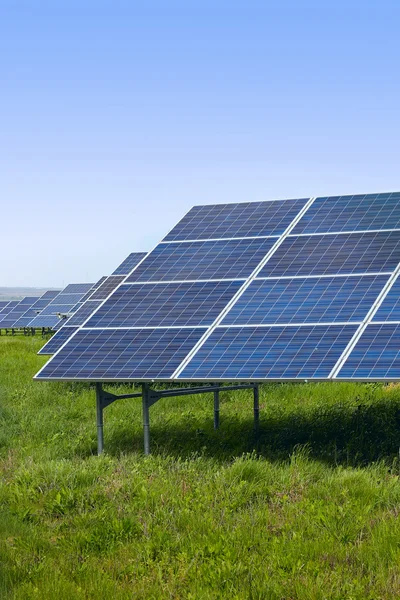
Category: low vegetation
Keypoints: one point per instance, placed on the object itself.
(309, 509)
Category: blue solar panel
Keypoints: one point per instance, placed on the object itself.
(351, 213)
(172, 304)
(376, 354)
(238, 353)
(122, 354)
(294, 325)
(237, 220)
(333, 254)
(129, 263)
(92, 289)
(107, 287)
(80, 316)
(32, 311)
(58, 339)
(77, 288)
(313, 300)
(55, 308)
(202, 260)
(17, 311)
(44, 321)
(390, 307)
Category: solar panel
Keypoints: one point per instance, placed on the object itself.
(7, 322)
(246, 219)
(31, 312)
(107, 287)
(9, 306)
(352, 213)
(96, 285)
(306, 300)
(390, 307)
(77, 288)
(64, 303)
(305, 352)
(145, 305)
(129, 263)
(274, 290)
(376, 354)
(89, 303)
(57, 340)
(225, 259)
(344, 253)
(123, 353)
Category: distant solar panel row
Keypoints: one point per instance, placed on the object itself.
(220, 300)
(89, 303)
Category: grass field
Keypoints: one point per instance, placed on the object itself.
(309, 510)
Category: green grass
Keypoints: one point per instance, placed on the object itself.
(309, 510)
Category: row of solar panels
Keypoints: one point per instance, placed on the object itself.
(73, 300)
(291, 289)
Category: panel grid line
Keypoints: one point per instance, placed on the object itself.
(96, 309)
(370, 315)
(257, 270)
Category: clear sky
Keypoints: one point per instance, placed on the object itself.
(117, 117)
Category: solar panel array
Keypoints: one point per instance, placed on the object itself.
(63, 302)
(283, 290)
(36, 307)
(8, 320)
(90, 302)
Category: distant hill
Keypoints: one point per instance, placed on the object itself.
(16, 293)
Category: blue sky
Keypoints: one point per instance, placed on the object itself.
(117, 117)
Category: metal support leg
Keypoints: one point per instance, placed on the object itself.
(99, 414)
(216, 409)
(256, 408)
(146, 417)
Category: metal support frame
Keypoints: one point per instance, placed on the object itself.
(150, 396)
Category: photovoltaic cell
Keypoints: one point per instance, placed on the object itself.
(77, 288)
(53, 308)
(253, 342)
(389, 310)
(17, 311)
(44, 321)
(122, 354)
(58, 339)
(32, 311)
(95, 287)
(335, 254)
(107, 287)
(80, 316)
(311, 300)
(351, 213)
(129, 263)
(202, 260)
(376, 354)
(61, 321)
(172, 304)
(240, 353)
(237, 220)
